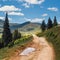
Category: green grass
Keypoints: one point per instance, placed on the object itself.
(23, 40)
(0, 35)
(18, 45)
(53, 36)
(30, 32)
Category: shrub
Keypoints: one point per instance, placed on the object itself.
(10, 44)
(23, 40)
(16, 35)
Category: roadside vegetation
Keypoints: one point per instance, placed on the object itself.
(52, 34)
(19, 45)
(53, 37)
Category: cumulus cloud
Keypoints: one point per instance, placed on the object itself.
(3, 18)
(26, 5)
(35, 19)
(9, 8)
(10, 18)
(59, 22)
(53, 9)
(33, 1)
(12, 10)
(45, 15)
(16, 13)
(28, 1)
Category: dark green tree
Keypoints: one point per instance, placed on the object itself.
(55, 22)
(43, 26)
(49, 24)
(7, 35)
(16, 35)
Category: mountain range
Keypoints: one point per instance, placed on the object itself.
(26, 26)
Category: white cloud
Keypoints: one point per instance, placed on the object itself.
(45, 15)
(10, 18)
(53, 9)
(26, 5)
(28, 1)
(16, 13)
(33, 1)
(59, 22)
(9, 8)
(3, 18)
(35, 19)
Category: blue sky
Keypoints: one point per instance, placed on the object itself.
(20, 11)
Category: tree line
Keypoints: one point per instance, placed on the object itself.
(49, 25)
(8, 38)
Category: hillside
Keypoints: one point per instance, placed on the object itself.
(24, 27)
(2, 22)
(53, 36)
(19, 45)
(28, 26)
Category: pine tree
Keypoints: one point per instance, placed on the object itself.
(7, 36)
(16, 35)
(55, 22)
(49, 24)
(43, 26)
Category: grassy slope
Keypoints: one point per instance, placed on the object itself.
(29, 28)
(19, 45)
(53, 36)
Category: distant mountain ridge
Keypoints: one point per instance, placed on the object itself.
(2, 22)
(24, 26)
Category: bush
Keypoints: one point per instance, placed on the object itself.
(10, 44)
(23, 40)
(1, 43)
(16, 35)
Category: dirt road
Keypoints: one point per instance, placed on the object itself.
(47, 52)
(43, 50)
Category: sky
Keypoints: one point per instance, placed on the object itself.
(20, 11)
